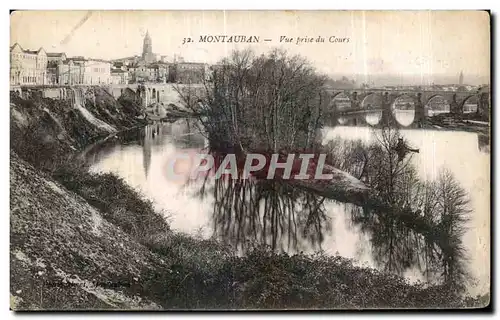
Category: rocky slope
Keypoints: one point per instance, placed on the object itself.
(65, 255)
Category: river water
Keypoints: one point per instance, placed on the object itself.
(142, 157)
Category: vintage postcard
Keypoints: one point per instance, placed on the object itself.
(249, 160)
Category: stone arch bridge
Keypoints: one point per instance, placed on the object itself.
(354, 105)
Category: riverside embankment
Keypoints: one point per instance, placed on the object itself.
(90, 241)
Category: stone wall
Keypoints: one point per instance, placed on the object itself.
(54, 93)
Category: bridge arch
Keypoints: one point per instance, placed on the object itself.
(403, 109)
(436, 104)
(340, 101)
(336, 96)
(372, 101)
(470, 104)
(432, 97)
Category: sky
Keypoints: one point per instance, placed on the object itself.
(420, 45)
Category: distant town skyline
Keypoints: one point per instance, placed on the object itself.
(421, 47)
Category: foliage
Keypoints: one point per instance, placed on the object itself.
(427, 222)
(263, 279)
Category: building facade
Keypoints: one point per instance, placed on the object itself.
(119, 76)
(97, 71)
(144, 73)
(79, 70)
(189, 72)
(56, 57)
(70, 72)
(27, 67)
(52, 77)
(161, 72)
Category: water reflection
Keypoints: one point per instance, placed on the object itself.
(404, 110)
(244, 212)
(406, 231)
(248, 212)
(373, 102)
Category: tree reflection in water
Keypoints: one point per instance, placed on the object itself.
(423, 232)
(425, 228)
(247, 212)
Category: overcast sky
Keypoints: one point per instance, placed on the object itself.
(411, 43)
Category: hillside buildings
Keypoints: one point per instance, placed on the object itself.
(154, 68)
(55, 68)
(29, 67)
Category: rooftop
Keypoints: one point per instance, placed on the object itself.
(26, 50)
(81, 58)
(198, 63)
(55, 54)
(126, 58)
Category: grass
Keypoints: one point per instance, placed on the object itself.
(263, 279)
(206, 274)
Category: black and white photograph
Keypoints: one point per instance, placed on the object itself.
(249, 160)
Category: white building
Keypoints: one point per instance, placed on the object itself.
(27, 67)
(97, 71)
(119, 76)
(79, 70)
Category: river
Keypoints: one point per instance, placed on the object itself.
(142, 157)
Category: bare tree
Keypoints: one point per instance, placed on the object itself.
(273, 101)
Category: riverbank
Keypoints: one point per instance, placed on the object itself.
(466, 122)
(89, 241)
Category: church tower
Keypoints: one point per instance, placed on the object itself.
(461, 78)
(147, 49)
